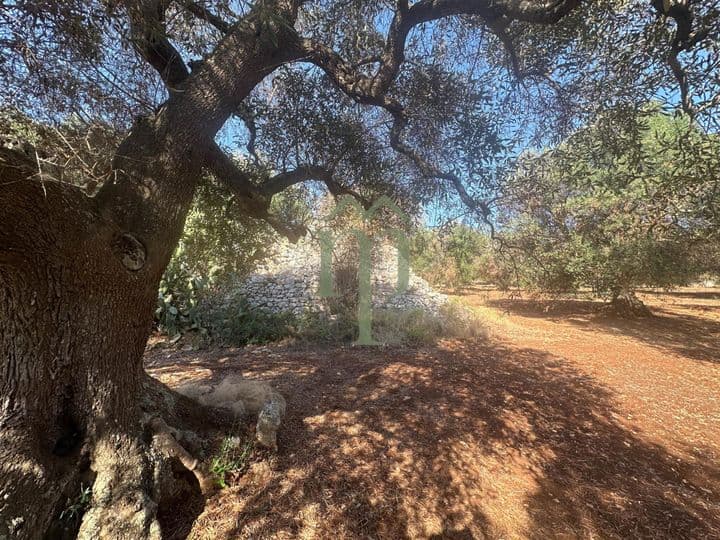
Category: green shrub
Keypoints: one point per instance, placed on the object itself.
(339, 327)
(218, 245)
(233, 322)
(392, 327)
(218, 239)
(454, 257)
(178, 298)
(190, 303)
(236, 323)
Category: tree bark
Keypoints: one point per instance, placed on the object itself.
(626, 304)
(78, 285)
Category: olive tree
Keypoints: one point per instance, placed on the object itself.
(617, 206)
(411, 99)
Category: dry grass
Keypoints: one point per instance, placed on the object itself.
(562, 424)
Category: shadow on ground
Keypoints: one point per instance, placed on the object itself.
(468, 440)
(668, 330)
(685, 293)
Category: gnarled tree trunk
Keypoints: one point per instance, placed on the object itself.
(78, 287)
(625, 303)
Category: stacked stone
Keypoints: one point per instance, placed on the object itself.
(288, 281)
(419, 294)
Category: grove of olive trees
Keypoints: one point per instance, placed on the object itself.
(118, 115)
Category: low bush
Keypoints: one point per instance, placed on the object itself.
(195, 306)
(392, 327)
(231, 460)
(419, 327)
(454, 257)
(179, 295)
(318, 327)
(76, 507)
(203, 309)
(236, 323)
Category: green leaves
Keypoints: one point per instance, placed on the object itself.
(177, 300)
(454, 257)
(231, 460)
(628, 201)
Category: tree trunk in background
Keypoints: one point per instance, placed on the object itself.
(77, 292)
(626, 304)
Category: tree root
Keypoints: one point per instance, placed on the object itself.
(136, 479)
(121, 506)
(149, 484)
(166, 440)
(146, 478)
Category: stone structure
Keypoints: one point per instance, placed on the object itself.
(288, 279)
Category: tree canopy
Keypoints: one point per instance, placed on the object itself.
(616, 206)
(425, 101)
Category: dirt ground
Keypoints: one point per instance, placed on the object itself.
(560, 424)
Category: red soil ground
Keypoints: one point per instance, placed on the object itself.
(560, 424)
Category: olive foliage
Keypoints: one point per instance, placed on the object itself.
(454, 256)
(632, 200)
(472, 90)
(475, 87)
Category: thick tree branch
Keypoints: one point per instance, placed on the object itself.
(250, 200)
(203, 13)
(372, 90)
(257, 197)
(305, 173)
(224, 169)
(147, 26)
(257, 44)
(254, 200)
(369, 89)
(251, 49)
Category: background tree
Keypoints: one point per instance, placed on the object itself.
(415, 100)
(617, 206)
(454, 256)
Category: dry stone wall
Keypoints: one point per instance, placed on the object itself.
(288, 280)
